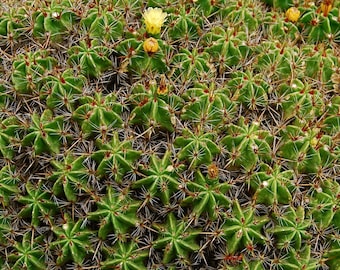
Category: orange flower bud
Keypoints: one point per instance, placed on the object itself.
(150, 45)
(293, 14)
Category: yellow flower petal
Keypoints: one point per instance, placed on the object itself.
(154, 19)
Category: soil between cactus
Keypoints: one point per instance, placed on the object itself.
(216, 146)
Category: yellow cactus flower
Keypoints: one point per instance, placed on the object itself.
(154, 19)
(293, 14)
(150, 45)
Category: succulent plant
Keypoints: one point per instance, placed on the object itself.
(243, 228)
(116, 213)
(72, 241)
(62, 90)
(125, 256)
(44, 133)
(250, 91)
(30, 69)
(292, 229)
(324, 202)
(9, 136)
(300, 259)
(246, 144)
(331, 258)
(11, 26)
(91, 57)
(169, 134)
(103, 24)
(175, 238)
(54, 19)
(37, 204)
(98, 115)
(196, 148)
(320, 25)
(280, 4)
(160, 177)
(207, 107)
(69, 177)
(308, 151)
(192, 65)
(115, 158)
(272, 185)
(27, 254)
(207, 195)
(9, 181)
(154, 108)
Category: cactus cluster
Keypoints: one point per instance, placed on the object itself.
(170, 134)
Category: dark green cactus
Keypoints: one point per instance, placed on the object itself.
(207, 196)
(63, 89)
(318, 25)
(9, 180)
(116, 213)
(306, 151)
(30, 69)
(175, 239)
(69, 177)
(300, 102)
(91, 57)
(11, 25)
(249, 90)
(300, 259)
(282, 4)
(9, 136)
(115, 158)
(56, 20)
(207, 106)
(243, 228)
(106, 25)
(37, 204)
(224, 47)
(272, 185)
(325, 204)
(44, 133)
(153, 107)
(139, 61)
(184, 25)
(199, 134)
(125, 256)
(98, 115)
(160, 177)
(192, 65)
(28, 254)
(291, 229)
(196, 147)
(331, 255)
(72, 241)
(246, 144)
